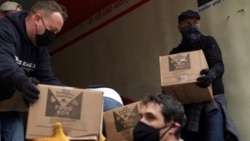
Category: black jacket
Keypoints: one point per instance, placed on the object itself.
(213, 56)
(19, 57)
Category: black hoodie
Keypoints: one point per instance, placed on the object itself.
(19, 57)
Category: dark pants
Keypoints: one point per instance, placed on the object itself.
(11, 126)
(211, 128)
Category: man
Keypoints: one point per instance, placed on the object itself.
(208, 121)
(25, 60)
(162, 118)
(9, 7)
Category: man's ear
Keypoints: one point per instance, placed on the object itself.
(36, 18)
(174, 128)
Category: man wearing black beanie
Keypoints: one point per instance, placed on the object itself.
(207, 121)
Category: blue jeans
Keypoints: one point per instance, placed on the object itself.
(110, 104)
(11, 126)
(211, 128)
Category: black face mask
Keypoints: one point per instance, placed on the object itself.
(144, 132)
(191, 33)
(46, 38)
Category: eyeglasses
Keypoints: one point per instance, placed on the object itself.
(43, 23)
(51, 27)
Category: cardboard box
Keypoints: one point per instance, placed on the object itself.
(80, 111)
(178, 76)
(15, 103)
(119, 123)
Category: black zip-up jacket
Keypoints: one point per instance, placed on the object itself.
(213, 56)
(19, 57)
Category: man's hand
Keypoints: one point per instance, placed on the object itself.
(207, 78)
(27, 87)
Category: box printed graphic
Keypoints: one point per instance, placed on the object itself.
(125, 119)
(119, 123)
(179, 62)
(63, 104)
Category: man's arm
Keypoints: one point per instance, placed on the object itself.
(213, 56)
(43, 71)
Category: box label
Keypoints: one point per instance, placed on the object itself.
(63, 104)
(126, 119)
(179, 62)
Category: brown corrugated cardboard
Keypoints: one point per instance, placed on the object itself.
(15, 103)
(179, 73)
(79, 111)
(119, 122)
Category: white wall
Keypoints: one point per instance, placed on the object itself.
(124, 54)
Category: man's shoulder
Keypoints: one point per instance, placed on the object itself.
(5, 24)
(14, 20)
(6, 29)
(207, 37)
(12, 26)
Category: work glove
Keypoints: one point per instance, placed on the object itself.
(58, 134)
(27, 87)
(206, 79)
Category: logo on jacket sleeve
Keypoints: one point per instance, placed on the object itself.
(26, 66)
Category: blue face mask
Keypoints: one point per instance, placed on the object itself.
(144, 132)
(190, 33)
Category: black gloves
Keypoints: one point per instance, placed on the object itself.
(207, 78)
(26, 86)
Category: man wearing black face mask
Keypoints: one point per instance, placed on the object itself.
(25, 60)
(208, 121)
(46, 38)
(162, 118)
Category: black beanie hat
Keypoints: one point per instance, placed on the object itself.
(188, 14)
